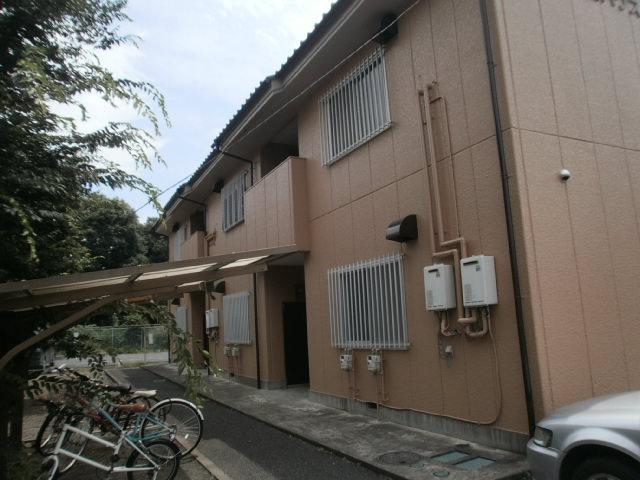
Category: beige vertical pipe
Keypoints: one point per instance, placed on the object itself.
(425, 111)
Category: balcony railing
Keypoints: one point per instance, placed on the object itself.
(275, 214)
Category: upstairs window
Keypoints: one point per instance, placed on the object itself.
(179, 237)
(237, 329)
(233, 202)
(356, 109)
(197, 222)
(367, 304)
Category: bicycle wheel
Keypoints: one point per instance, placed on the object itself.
(49, 432)
(184, 417)
(163, 453)
(74, 442)
(49, 469)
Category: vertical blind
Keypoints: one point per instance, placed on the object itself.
(236, 318)
(233, 202)
(367, 304)
(179, 238)
(355, 109)
(180, 316)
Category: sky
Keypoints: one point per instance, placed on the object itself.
(206, 57)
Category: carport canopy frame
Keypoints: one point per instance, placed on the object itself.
(93, 290)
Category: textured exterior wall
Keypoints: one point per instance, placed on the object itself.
(192, 247)
(570, 91)
(352, 201)
(280, 285)
(275, 213)
(245, 365)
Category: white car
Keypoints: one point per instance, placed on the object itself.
(598, 439)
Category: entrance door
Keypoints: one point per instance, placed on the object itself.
(296, 354)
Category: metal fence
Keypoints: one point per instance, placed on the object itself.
(130, 339)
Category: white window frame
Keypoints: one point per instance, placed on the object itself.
(356, 109)
(236, 318)
(367, 304)
(232, 198)
(181, 316)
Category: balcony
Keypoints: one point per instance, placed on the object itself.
(193, 247)
(275, 213)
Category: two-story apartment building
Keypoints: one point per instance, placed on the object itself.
(524, 150)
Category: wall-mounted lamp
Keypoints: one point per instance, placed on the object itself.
(403, 230)
(217, 287)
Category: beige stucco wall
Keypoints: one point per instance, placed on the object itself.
(275, 286)
(352, 202)
(245, 364)
(275, 213)
(570, 94)
(280, 283)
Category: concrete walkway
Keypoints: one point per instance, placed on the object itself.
(361, 438)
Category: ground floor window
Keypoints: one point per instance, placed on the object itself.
(367, 304)
(236, 318)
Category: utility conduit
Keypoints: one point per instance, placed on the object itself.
(465, 317)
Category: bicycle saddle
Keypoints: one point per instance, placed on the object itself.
(131, 407)
(145, 393)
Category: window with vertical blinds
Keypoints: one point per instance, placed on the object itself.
(356, 109)
(367, 304)
(233, 202)
(237, 329)
(179, 237)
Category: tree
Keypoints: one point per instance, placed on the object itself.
(49, 58)
(109, 230)
(154, 245)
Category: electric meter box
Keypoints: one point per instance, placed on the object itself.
(212, 318)
(346, 361)
(439, 287)
(479, 281)
(374, 363)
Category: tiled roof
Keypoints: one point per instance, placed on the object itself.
(337, 8)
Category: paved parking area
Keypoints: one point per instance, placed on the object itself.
(247, 449)
(396, 450)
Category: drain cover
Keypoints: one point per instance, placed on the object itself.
(399, 458)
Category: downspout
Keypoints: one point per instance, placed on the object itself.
(255, 326)
(506, 194)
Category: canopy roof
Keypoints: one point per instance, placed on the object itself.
(160, 280)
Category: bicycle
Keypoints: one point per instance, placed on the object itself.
(152, 454)
(67, 411)
(185, 417)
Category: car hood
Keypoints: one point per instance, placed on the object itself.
(623, 403)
